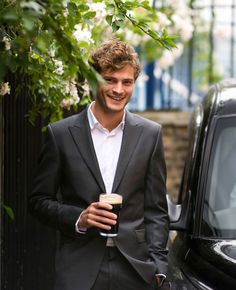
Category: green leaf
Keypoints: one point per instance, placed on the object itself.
(35, 56)
(120, 23)
(109, 19)
(145, 4)
(9, 211)
(129, 4)
(85, 100)
(153, 34)
(28, 23)
(143, 24)
(41, 44)
(10, 14)
(110, 6)
(89, 15)
(170, 43)
(115, 26)
(121, 16)
(73, 10)
(83, 7)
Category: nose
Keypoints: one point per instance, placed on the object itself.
(118, 88)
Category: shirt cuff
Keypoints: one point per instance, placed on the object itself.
(79, 230)
(162, 278)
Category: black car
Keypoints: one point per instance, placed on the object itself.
(202, 246)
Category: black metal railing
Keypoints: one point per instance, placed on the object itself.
(27, 248)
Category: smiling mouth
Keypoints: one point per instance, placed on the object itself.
(116, 98)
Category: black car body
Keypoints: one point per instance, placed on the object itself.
(202, 246)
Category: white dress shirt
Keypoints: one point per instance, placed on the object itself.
(107, 146)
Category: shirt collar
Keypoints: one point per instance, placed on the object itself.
(93, 122)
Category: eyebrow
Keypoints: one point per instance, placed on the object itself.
(114, 78)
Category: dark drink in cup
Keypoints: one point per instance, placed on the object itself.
(116, 201)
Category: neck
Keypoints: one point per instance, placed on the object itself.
(108, 120)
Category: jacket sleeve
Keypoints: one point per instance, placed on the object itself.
(43, 201)
(156, 210)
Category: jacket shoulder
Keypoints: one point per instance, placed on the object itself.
(147, 123)
(68, 122)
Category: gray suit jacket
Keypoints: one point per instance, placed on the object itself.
(68, 163)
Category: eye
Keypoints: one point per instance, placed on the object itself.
(109, 80)
(128, 82)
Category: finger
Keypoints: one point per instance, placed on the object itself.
(104, 205)
(102, 212)
(96, 215)
(106, 214)
(101, 219)
(99, 225)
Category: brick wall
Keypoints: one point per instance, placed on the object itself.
(175, 138)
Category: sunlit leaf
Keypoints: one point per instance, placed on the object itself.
(9, 211)
(83, 7)
(89, 15)
(28, 23)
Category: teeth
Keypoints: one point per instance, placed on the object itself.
(117, 99)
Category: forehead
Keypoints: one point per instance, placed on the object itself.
(127, 72)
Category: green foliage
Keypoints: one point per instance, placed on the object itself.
(50, 41)
(9, 211)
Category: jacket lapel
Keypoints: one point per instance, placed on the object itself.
(131, 135)
(82, 137)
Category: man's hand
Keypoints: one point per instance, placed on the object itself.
(97, 214)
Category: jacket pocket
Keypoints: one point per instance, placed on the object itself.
(140, 235)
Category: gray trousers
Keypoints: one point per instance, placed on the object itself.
(116, 273)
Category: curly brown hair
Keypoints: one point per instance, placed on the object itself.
(114, 55)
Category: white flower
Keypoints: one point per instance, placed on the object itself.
(70, 89)
(67, 103)
(7, 42)
(132, 37)
(52, 52)
(176, 3)
(86, 89)
(5, 89)
(163, 20)
(180, 7)
(74, 93)
(169, 57)
(82, 34)
(183, 26)
(182, 19)
(178, 50)
(100, 9)
(59, 69)
(186, 32)
(166, 60)
(65, 3)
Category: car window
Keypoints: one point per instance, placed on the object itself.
(193, 138)
(219, 213)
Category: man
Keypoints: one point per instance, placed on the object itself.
(105, 149)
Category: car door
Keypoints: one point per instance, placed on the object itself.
(210, 255)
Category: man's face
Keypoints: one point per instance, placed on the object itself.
(117, 90)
